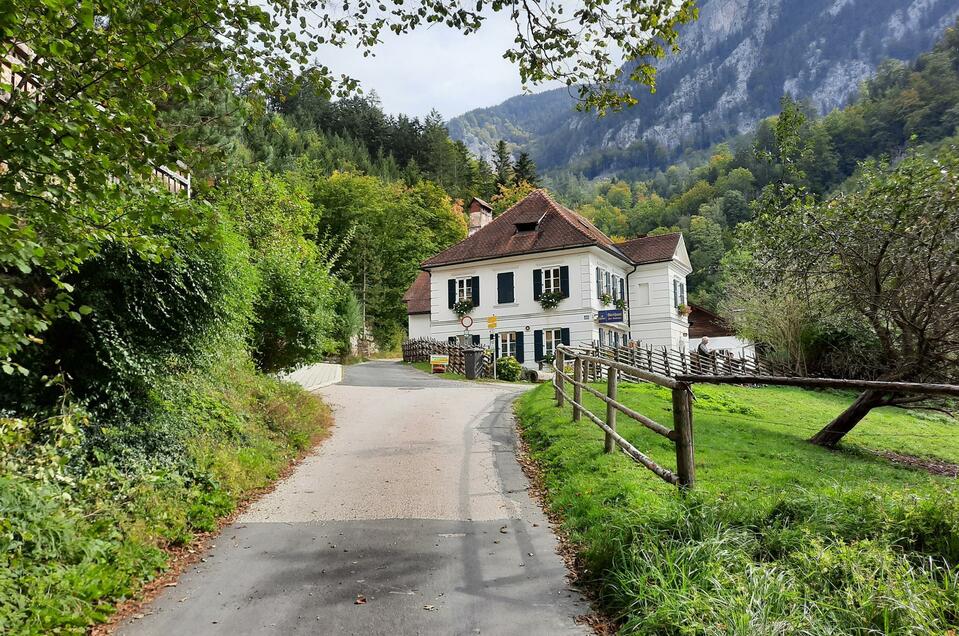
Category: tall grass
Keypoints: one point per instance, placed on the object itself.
(805, 550)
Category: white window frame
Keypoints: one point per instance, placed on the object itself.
(551, 280)
(551, 339)
(464, 288)
(507, 343)
(610, 283)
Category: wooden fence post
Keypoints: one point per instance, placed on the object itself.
(560, 368)
(577, 390)
(610, 409)
(683, 426)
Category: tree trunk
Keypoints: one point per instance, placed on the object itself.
(830, 435)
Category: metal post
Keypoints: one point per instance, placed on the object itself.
(577, 390)
(610, 409)
(558, 379)
(683, 426)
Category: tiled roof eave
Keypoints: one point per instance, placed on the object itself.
(427, 266)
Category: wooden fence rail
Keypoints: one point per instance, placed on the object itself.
(673, 362)
(587, 368)
(420, 350)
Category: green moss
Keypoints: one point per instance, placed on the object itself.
(780, 536)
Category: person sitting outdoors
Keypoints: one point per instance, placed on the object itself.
(703, 348)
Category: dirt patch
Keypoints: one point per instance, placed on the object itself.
(931, 466)
(182, 557)
(601, 623)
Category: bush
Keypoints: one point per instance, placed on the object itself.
(78, 532)
(293, 310)
(509, 369)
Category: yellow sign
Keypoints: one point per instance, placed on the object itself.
(491, 322)
(439, 362)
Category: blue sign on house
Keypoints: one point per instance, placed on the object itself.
(610, 315)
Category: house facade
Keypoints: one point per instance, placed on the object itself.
(539, 253)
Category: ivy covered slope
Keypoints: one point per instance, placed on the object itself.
(779, 536)
(147, 419)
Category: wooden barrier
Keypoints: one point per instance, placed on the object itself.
(585, 367)
(420, 350)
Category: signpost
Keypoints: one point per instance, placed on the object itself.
(491, 322)
(439, 362)
(607, 316)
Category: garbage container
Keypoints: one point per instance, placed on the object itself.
(473, 361)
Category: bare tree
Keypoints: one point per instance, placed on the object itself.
(885, 255)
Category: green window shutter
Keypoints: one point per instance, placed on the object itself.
(475, 290)
(599, 283)
(537, 283)
(537, 345)
(520, 354)
(504, 288)
(452, 290)
(564, 280)
(565, 336)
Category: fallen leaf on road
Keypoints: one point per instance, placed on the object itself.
(170, 585)
(430, 608)
(360, 600)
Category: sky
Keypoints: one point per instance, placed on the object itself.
(436, 67)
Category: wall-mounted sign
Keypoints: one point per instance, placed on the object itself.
(491, 322)
(610, 315)
(439, 362)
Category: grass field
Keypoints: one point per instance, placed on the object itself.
(779, 537)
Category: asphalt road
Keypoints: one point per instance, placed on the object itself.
(413, 518)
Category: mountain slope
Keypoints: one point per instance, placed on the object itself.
(737, 60)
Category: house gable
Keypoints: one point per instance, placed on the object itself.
(535, 224)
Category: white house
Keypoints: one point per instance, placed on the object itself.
(508, 265)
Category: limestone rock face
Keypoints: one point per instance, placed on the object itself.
(736, 62)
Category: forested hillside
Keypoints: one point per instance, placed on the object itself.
(737, 60)
(903, 106)
(143, 329)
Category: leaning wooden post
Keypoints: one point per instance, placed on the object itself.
(611, 374)
(577, 390)
(558, 379)
(683, 427)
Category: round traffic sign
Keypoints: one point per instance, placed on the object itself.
(466, 321)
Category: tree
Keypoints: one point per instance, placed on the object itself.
(83, 123)
(525, 170)
(503, 165)
(885, 256)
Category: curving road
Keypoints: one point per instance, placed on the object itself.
(413, 518)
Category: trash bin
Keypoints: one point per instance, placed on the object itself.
(473, 361)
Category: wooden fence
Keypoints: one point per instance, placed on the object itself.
(588, 367)
(420, 350)
(674, 362)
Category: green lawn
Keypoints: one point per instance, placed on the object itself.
(779, 536)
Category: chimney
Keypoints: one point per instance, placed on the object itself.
(480, 214)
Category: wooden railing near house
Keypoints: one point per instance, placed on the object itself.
(673, 362)
(420, 350)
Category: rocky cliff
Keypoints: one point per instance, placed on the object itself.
(737, 61)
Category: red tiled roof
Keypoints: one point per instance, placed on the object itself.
(417, 297)
(650, 249)
(558, 228)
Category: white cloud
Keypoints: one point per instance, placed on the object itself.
(435, 68)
